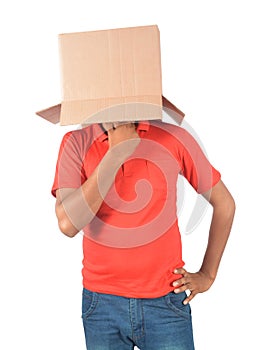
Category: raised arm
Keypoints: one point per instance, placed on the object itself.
(75, 208)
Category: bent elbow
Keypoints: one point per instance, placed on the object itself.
(225, 207)
(64, 224)
(67, 228)
(231, 206)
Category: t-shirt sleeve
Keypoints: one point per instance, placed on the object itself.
(69, 168)
(195, 166)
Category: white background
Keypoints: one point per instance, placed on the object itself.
(216, 67)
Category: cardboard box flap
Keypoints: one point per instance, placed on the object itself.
(112, 109)
(174, 112)
(52, 114)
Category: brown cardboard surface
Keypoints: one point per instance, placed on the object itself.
(110, 75)
(174, 112)
(111, 109)
(52, 114)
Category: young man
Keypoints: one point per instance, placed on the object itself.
(117, 182)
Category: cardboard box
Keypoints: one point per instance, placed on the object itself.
(110, 75)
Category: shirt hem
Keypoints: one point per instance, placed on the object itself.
(147, 295)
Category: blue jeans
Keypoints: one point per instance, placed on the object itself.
(113, 322)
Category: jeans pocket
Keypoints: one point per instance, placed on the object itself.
(89, 302)
(175, 302)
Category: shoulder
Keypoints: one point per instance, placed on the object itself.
(81, 139)
(79, 134)
(175, 137)
(171, 131)
(88, 134)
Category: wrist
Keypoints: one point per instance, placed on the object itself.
(207, 274)
(116, 155)
(121, 151)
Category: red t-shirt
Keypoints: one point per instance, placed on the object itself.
(133, 244)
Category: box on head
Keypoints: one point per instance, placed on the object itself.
(110, 76)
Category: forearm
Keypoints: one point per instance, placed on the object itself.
(220, 228)
(77, 208)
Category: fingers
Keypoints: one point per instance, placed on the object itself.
(108, 126)
(128, 124)
(180, 271)
(181, 289)
(114, 125)
(197, 282)
(189, 298)
(181, 281)
(184, 284)
(184, 288)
